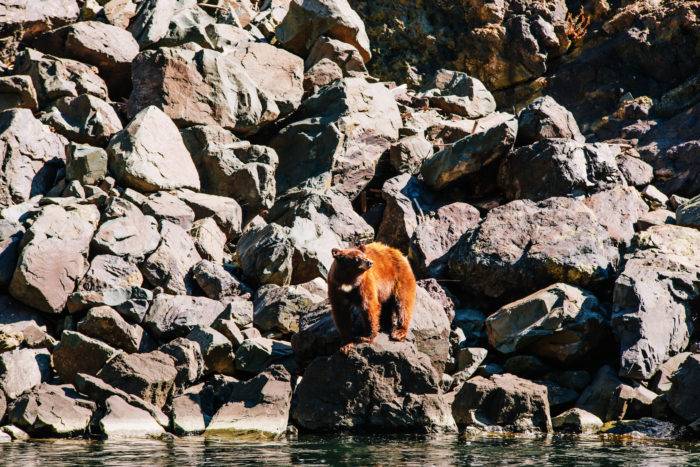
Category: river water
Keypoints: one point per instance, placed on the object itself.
(351, 450)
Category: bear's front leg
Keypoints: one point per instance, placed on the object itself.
(371, 310)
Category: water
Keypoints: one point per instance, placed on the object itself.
(351, 450)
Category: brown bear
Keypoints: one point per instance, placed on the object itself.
(363, 279)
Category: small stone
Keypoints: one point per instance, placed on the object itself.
(577, 421)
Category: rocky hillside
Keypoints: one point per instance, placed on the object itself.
(175, 174)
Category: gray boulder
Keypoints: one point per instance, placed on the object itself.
(106, 324)
(173, 316)
(84, 119)
(458, 93)
(544, 118)
(217, 282)
(124, 421)
(126, 231)
(256, 354)
(682, 397)
(598, 396)
(576, 421)
(265, 254)
(23, 369)
(225, 211)
(277, 309)
(216, 350)
(86, 164)
(17, 92)
(189, 361)
(78, 353)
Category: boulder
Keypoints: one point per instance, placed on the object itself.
(505, 400)
(170, 264)
(84, 119)
(321, 74)
(598, 396)
(256, 354)
(306, 21)
(166, 206)
(240, 312)
(140, 160)
(126, 231)
(11, 234)
(217, 282)
(560, 322)
(523, 246)
(86, 164)
(152, 18)
(189, 361)
(78, 353)
(440, 294)
(408, 153)
(16, 434)
(653, 297)
(576, 421)
(635, 171)
(215, 348)
(124, 421)
(23, 369)
(656, 217)
(471, 153)
(32, 18)
(106, 324)
(150, 376)
(10, 338)
(630, 402)
(662, 380)
(558, 167)
(55, 77)
(339, 133)
(52, 411)
(109, 48)
(31, 155)
(544, 119)
(276, 309)
(457, 93)
(358, 392)
(646, 428)
(347, 58)
(265, 254)
(312, 245)
(682, 397)
(17, 92)
(618, 209)
(53, 259)
(173, 316)
(209, 240)
(688, 214)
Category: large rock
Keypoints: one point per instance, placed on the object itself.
(312, 245)
(472, 153)
(84, 119)
(111, 49)
(338, 133)
(597, 398)
(170, 264)
(209, 240)
(307, 20)
(175, 315)
(560, 322)
(106, 324)
(682, 397)
(17, 92)
(55, 77)
(32, 18)
(504, 400)
(619, 210)
(86, 164)
(149, 154)
(152, 19)
(218, 282)
(216, 350)
(258, 353)
(23, 369)
(31, 156)
(11, 234)
(126, 231)
(225, 211)
(558, 167)
(523, 246)
(150, 376)
(196, 86)
(544, 118)
(457, 93)
(265, 254)
(53, 259)
(358, 392)
(576, 421)
(78, 353)
(122, 420)
(277, 309)
(189, 361)
(653, 298)
(52, 411)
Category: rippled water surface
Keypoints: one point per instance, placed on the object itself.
(371, 450)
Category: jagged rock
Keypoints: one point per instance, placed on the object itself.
(31, 155)
(152, 19)
(149, 154)
(15, 433)
(682, 396)
(312, 245)
(166, 206)
(170, 264)
(109, 48)
(217, 282)
(399, 218)
(53, 258)
(126, 231)
(84, 119)
(338, 133)
(32, 18)
(23, 369)
(322, 73)
(17, 92)
(656, 217)
(191, 412)
(457, 93)
(308, 20)
(558, 167)
(215, 348)
(345, 56)
(11, 235)
(471, 322)
(225, 211)
(106, 324)
(239, 311)
(209, 240)
(355, 392)
(597, 397)
(653, 296)
(618, 209)
(689, 213)
(10, 338)
(467, 360)
(86, 164)
(256, 354)
(543, 119)
(560, 322)
(51, 411)
(630, 402)
(55, 77)
(635, 171)
(407, 154)
(440, 294)
(662, 380)
(277, 309)
(323, 207)
(523, 246)
(260, 405)
(504, 400)
(189, 361)
(175, 315)
(576, 421)
(189, 24)
(654, 197)
(196, 86)
(119, 12)
(472, 153)
(150, 376)
(265, 255)
(78, 353)
(122, 420)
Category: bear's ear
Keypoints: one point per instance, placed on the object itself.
(335, 252)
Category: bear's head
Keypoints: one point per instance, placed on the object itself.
(352, 261)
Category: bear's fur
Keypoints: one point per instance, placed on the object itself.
(363, 279)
